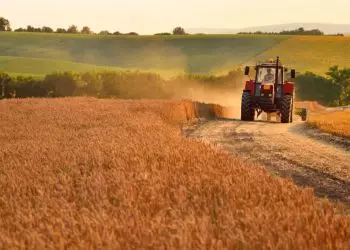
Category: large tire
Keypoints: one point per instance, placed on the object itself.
(247, 113)
(287, 109)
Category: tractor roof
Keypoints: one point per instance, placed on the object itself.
(268, 65)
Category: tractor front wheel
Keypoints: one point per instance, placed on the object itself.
(287, 109)
(247, 113)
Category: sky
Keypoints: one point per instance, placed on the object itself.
(152, 16)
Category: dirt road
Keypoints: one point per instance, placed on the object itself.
(288, 150)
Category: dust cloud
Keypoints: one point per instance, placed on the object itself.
(225, 99)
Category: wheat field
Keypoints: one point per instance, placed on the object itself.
(83, 173)
(334, 122)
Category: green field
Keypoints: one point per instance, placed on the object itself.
(41, 66)
(176, 54)
(39, 54)
(312, 53)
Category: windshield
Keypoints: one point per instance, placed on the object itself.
(268, 75)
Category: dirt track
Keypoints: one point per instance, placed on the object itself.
(288, 150)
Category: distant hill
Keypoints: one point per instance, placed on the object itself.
(327, 28)
(39, 53)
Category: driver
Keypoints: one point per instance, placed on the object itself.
(269, 77)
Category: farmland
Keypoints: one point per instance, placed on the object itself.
(183, 53)
(37, 67)
(88, 173)
(334, 122)
(40, 54)
(312, 53)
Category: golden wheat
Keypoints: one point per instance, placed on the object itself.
(334, 122)
(107, 174)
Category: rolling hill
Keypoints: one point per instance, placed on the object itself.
(314, 54)
(177, 54)
(38, 67)
(39, 54)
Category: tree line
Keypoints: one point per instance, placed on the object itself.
(333, 89)
(299, 31)
(107, 84)
(73, 29)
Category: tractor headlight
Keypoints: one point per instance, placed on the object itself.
(267, 87)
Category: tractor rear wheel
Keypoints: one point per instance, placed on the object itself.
(287, 109)
(247, 113)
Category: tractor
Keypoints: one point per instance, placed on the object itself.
(270, 92)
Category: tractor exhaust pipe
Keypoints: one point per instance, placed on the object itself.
(276, 76)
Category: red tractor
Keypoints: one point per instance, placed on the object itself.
(270, 92)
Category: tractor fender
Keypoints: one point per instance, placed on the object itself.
(288, 88)
(249, 86)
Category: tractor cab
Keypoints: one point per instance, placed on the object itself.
(268, 79)
(269, 91)
(270, 75)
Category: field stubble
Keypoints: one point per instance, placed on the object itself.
(87, 173)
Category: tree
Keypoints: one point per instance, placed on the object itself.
(117, 33)
(162, 34)
(312, 87)
(37, 30)
(132, 34)
(104, 32)
(301, 30)
(341, 78)
(179, 31)
(61, 30)
(30, 28)
(47, 29)
(4, 24)
(72, 29)
(4, 80)
(61, 84)
(86, 30)
(20, 30)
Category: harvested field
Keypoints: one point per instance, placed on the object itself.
(333, 122)
(100, 174)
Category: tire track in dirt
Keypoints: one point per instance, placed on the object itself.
(286, 152)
